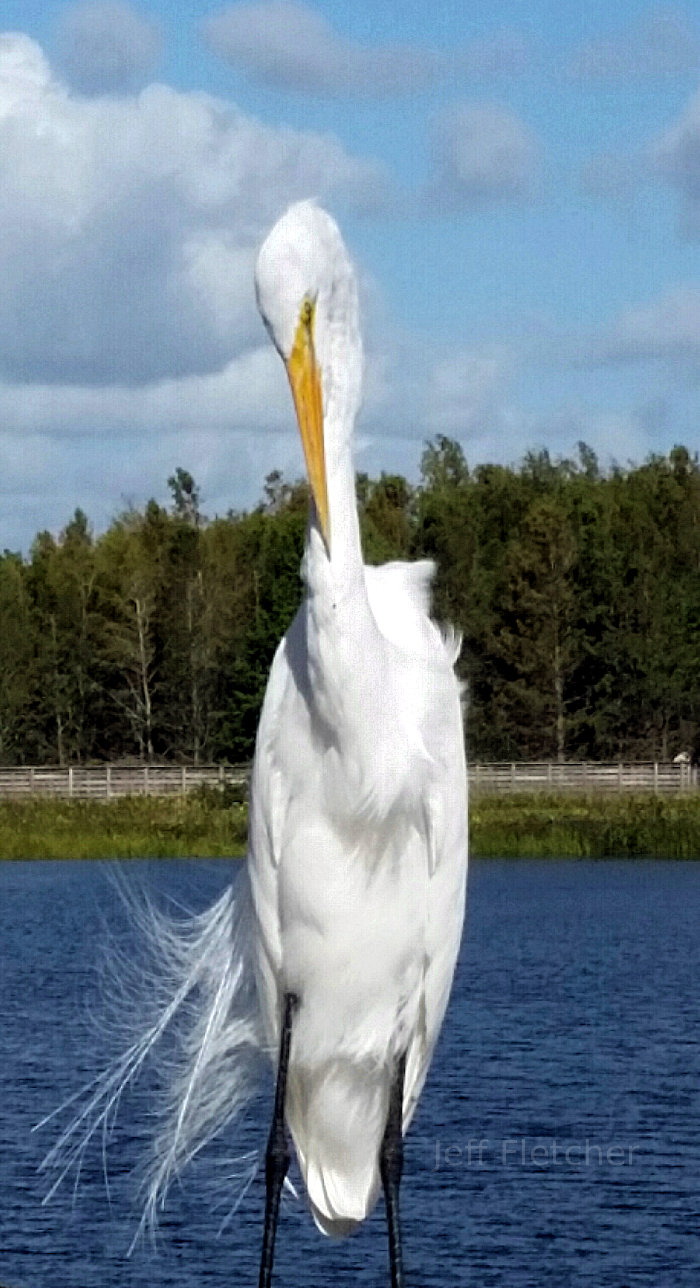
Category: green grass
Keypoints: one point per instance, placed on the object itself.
(213, 824)
(632, 826)
(206, 824)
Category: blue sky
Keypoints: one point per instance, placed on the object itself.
(519, 185)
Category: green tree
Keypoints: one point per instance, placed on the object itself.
(16, 661)
(132, 576)
(386, 517)
(536, 641)
(66, 617)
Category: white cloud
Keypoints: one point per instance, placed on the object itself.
(129, 337)
(415, 390)
(672, 157)
(24, 71)
(106, 46)
(44, 478)
(465, 391)
(481, 153)
(615, 436)
(292, 46)
(675, 157)
(504, 430)
(248, 393)
(663, 331)
(128, 225)
(100, 446)
(668, 327)
(664, 42)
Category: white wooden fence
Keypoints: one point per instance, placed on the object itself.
(583, 776)
(100, 782)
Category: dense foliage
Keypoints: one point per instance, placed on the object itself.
(577, 592)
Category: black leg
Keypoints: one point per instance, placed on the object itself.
(391, 1167)
(277, 1156)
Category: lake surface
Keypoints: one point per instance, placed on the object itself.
(558, 1137)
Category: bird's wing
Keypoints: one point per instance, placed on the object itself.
(399, 595)
(270, 791)
(446, 846)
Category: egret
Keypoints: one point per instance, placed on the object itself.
(358, 809)
(335, 953)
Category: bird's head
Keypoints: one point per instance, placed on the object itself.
(306, 293)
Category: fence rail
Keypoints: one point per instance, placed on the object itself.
(101, 782)
(583, 776)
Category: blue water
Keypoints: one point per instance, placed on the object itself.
(557, 1141)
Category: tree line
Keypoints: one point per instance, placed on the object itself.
(576, 589)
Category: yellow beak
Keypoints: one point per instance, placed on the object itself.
(305, 380)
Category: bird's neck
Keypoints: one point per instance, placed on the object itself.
(336, 572)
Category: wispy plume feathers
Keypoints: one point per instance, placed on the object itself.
(192, 1012)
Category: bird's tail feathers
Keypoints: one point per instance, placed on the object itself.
(198, 1022)
(452, 640)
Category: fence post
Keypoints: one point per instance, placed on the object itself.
(619, 777)
(70, 780)
(183, 779)
(145, 780)
(108, 782)
(656, 777)
(512, 776)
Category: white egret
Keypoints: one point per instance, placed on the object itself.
(335, 953)
(358, 823)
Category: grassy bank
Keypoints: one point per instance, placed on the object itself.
(202, 824)
(212, 824)
(586, 826)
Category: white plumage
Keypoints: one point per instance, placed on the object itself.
(353, 899)
(358, 828)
